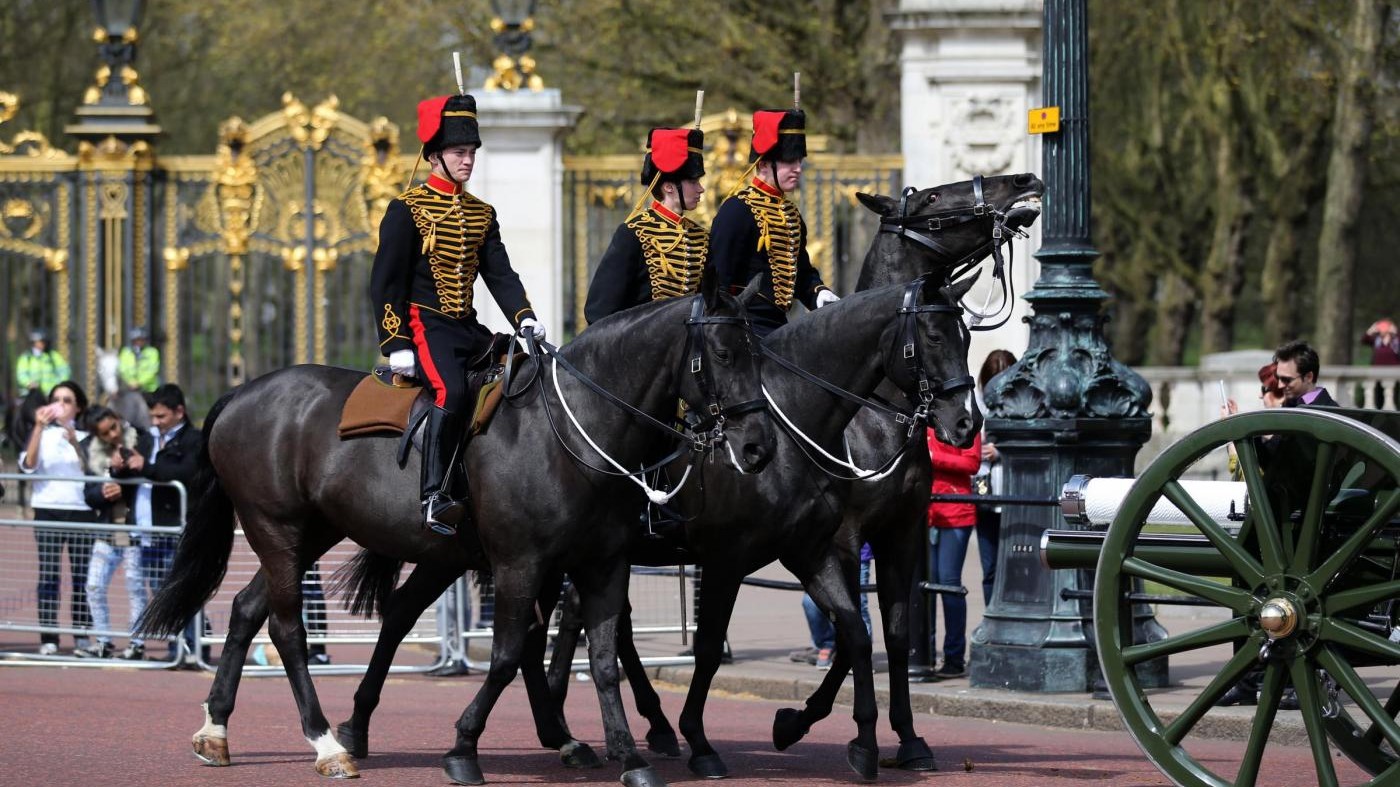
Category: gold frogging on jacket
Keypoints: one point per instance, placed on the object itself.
(453, 228)
(779, 234)
(674, 253)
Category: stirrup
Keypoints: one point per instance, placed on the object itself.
(442, 514)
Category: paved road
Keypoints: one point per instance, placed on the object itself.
(63, 726)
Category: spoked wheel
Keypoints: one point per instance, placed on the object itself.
(1307, 581)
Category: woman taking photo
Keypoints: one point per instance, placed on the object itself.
(53, 450)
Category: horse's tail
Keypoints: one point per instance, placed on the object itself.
(365, 582)
(202, 555)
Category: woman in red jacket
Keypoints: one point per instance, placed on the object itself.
(950, 528)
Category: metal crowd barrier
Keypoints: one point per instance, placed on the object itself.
(19, 579)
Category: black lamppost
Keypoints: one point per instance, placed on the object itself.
(514, 69)
(116, 105)
(1066, 408)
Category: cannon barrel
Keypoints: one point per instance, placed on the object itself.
(1181, 552)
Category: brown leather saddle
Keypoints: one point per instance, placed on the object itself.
(384, 403)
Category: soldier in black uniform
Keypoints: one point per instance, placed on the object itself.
(657, 253)
(759, 232)
(434, 241)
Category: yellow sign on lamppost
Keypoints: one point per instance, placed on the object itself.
(1044, 120)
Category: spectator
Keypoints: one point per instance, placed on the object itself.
(950, 528)
(1384, 341)
(1297, 374)
(53, 450)
(988, 478)
(174, 448)
(112, 442)
(41, 368)
(138, 363)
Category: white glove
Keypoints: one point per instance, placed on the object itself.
(531, 324)
(826, 297)
(401, 362)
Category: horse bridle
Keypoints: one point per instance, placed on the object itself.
(703, 432)
(923, 228)
(706, 424)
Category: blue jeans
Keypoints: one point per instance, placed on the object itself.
(947, 551)
(104, 562)
(988, 541)
(822, 629)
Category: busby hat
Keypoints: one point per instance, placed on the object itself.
(447, 121)
(674, 154)
(779, 135)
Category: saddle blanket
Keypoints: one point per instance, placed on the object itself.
(374, 408)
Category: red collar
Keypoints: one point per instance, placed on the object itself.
(665, 212)
(767, 188)
(442, 185)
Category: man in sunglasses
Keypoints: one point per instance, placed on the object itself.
(1297, 374)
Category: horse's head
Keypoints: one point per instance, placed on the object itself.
(107, 371)
(720, 381)
(947, 226)
(927, 357)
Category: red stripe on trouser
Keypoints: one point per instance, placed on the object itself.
(425, 357)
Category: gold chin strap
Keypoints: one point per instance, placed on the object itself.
(645, 194)
(744, 178)
(414, 174)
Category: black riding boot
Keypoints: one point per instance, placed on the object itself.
(442, 438)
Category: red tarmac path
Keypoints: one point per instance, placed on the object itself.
(75, 726)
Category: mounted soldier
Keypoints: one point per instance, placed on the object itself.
(657, 252)
(434, 241)
(759, 231)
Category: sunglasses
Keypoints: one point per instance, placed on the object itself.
(1284, 379)
(63, 400)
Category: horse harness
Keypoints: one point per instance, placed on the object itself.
(922, 228)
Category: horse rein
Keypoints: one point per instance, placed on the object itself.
(921, 229)
(922, 397)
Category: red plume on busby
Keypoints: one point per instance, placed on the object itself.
(779, 135)
(675, 154)
(447, 121)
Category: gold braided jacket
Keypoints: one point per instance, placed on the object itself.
(780, 234)
(453, 228)
(674, 253)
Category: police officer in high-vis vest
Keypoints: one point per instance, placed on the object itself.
(759, 232)
(40, 368)
(658, 252)
(138, 363)
(434, 241)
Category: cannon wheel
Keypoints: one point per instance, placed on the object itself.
(1284, 581)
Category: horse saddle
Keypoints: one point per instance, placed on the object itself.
(384, 403)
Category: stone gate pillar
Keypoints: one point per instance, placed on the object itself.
(520, 172)
(969, 71)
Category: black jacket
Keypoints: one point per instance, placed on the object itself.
(176, 462)
(736, 257)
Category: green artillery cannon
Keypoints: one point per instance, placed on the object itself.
(1306, 578)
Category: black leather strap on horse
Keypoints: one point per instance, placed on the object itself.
(696, 349)
(920, 229)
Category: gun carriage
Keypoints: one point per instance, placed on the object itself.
(1300, 557)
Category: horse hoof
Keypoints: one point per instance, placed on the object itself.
(864, 761)
(577, 754)
(462, 770)
(643, 777)
(355, 741)
(788, 728)
(338, 766)
(915, 755)
(708, 766)
(664, 742)
(210, 750)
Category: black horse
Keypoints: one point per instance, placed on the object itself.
(888, 511)
(933, 231)
(274, 459)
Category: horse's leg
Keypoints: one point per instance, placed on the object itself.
(517, 607)
(284, 572)
(246, 617)
(604, 594)
(661, 738)
(896, 555)
(717, 597)
(565, 646)
(425, 584)
(550, 726)
(791, 725)
(828, 588)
